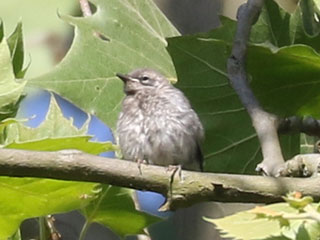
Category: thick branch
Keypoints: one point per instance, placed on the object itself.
(264, 123)
(195, 186)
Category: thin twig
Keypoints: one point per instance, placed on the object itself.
(85, 8)
(54, 233)
(264, 123)
(295, 124)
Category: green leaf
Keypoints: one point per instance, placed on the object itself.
(10, 88)
(240, 225)
(1, 30)
(302, 229)
(115, 209)
(6, 122)
(281, 28)
(23, 198)
(231, 144)
(201, 69)
(54, 126)
(41, 30)
(312, 229)
(54, 144)
(303, 234)
(277, 238)
(273, 26)
(16, 236)
(276, 221)
(54, 133)
(15, 42)
(136, 32)
(277, 76)
(280, 77)
(3, 124)
(310, 17)
(317, 5)
(307, 143)
(110, 206)
(298, 202)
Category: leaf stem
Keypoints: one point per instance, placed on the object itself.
(84, 230)
(42, 228)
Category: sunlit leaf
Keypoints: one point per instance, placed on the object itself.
(119, 37)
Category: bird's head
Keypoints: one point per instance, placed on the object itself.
(141, 79)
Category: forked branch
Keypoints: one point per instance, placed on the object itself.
(265, 124)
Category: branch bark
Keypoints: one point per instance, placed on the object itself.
(194, 187)
(265, 124)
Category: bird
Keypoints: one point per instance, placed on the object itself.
(157, 123)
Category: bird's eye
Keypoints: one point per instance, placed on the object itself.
(145, 78)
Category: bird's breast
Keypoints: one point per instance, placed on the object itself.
(154, 129)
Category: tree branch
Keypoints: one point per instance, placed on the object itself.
(85, 8)
(195, 186)
(295, 124)
(265, 124)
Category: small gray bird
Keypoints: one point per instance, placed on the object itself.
(157, 123)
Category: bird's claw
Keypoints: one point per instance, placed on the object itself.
(175, 169)
(139, 162)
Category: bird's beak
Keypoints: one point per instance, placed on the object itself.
(123, 77)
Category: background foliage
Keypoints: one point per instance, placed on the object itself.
(283, 66)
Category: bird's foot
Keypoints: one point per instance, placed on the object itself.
(139, 162)
(175, 169)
